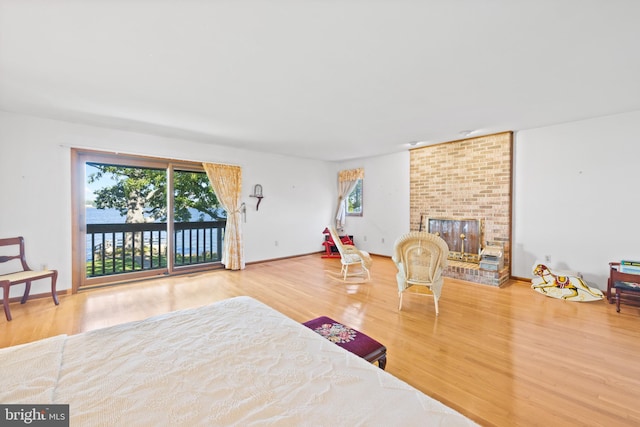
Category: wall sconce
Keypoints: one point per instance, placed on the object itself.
(257, 193)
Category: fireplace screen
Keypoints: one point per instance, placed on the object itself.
(463, 236)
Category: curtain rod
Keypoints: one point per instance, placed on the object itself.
(133, 153)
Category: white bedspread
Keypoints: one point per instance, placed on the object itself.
(235, 362)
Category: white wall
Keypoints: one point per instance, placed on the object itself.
(574, 195)
(575, 198)
(385, 202)
(36, 196)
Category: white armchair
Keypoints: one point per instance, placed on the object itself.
(420, 258)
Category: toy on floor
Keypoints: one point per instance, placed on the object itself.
(562, 285)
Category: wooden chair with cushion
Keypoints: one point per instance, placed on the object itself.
(26, 275)
(626, 286)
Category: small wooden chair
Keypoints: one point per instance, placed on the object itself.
(26, 276)
(626, 286)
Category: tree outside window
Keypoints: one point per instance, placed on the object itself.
(138, 217)
(354, 200)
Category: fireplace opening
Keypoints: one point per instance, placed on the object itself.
(462, 235)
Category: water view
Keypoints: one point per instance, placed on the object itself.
(112, 216)
(192, 239)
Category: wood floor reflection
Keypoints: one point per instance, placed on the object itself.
(502, 357)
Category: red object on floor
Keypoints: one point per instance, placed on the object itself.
(350, 339)
(330, 247)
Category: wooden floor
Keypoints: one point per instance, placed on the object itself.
(502, 357)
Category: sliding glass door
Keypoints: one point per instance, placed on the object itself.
(136, 217)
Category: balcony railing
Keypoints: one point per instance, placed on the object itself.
(125, 248)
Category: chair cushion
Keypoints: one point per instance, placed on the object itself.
(22, 276)
(627, 286)
(351, 258)
(348, 338)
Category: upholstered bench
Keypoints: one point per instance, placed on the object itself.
(348, 338)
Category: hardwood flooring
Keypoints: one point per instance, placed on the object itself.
(502, 357)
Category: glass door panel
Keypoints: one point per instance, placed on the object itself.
(125, 214)
(198, 220)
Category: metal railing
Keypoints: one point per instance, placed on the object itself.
(125, 248)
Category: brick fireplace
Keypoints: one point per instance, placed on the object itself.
(469, 178)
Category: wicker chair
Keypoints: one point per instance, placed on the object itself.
(420, 258)
(350, 255)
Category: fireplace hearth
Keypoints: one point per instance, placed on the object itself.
(464, 238)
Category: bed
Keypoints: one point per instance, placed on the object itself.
(234, 362)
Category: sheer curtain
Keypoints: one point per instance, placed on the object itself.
(347, 180)
(226, 181)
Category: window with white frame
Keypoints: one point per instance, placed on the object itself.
(354, 200)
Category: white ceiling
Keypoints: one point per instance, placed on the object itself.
(325, 79)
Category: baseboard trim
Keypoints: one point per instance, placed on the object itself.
(39, 296)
